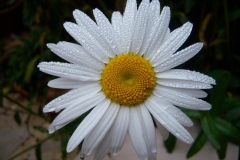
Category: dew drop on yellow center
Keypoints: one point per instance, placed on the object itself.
(128, 79)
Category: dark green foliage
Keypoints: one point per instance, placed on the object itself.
(170, 143)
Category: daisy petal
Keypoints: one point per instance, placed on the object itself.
(158, 111)
(164, 132)
(87, 40)
(171, 45)
(179, 57)
(140, 26)
(104, 147)
(117, 27)
(69, 71)
(136, 134)
(75, 110)
(100, 130)
(152, 23)
(120, 128)
(197, 93)
(157, 37)
(106, 31)
(181, 99)
(128, 24)
(185, 75)
(181, 117)
(65, 100)
(75, 54)
(87, 125)
(114, 139)
(89, 25)
(148, 130)
(183, 84)
(63, 83)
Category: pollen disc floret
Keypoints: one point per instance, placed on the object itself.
(128, 79)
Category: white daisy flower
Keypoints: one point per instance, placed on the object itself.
(123, 71)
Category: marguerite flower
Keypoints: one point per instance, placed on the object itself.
(123, 71)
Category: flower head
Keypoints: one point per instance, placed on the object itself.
(123, 70)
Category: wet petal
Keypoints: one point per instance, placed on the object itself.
(181, 99)
(164, 132)
(148, 130)
(136, 134)
(89, 25)
(171, 45)
(69, 71)
(75, 54)
(128, 24)
(186, 75)
(88, 41)
(63, 83)
(167, 120)
(95, 137)
(87, 125)
(75, 110)
(140, 26)
(179, 57)
(69, 98)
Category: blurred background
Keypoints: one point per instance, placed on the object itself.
(26, 27)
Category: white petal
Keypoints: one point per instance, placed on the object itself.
(179, 57)
(186, 75)
(89, 25)
(114, 139)
(159, 33)
(87, 125)
(181, 99)
(117, 27)
(148, 130)
(164, 132)
(128, 24)
(140, 26)
(120, 128)
(152, 25)
(136, 134)
(158, 111)
(69, 71)
(104, 147)
(87, 40)
(183, 84)
(181, 117)
(75, 54)
(101, 129)
(67, 99)
(63, 83)
(171, 45)
(106, 30)
(75, 110)
(197, 93)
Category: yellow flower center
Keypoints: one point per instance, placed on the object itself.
(128, 79)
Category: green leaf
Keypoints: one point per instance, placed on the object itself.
(64, 146)
(29, 69)
(198, 144)
(223, 149)
(193, 113)
(208, 129)
(40, 128)
(38, 152)
(170, 143)
(231, 102)
(233, 115)
(228, 129)
(218, 93)
(17, 118)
